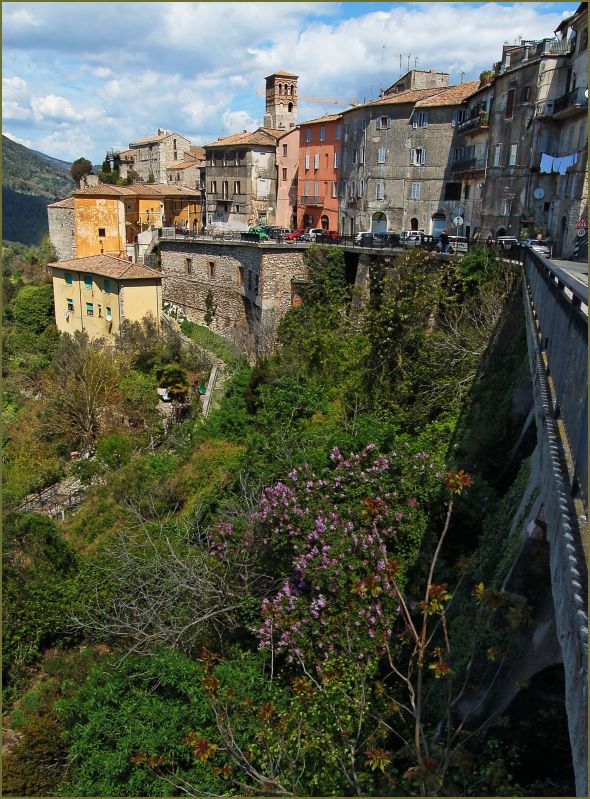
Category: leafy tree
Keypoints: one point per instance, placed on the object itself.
(174, 379)
(106, 166)
(151, 178)
(80, 167)
(33, 309)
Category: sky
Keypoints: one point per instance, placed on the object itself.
(82, 78)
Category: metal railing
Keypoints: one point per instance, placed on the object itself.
(479, 121)
(311, 199)
(558, 302)
(469, 164)
(574, 99)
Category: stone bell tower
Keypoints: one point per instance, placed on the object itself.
(281, 101)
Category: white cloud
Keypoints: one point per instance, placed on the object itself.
(237, 121)
(18, 139)
(102, 72)
(22, 19)
(57, 108)
(16, 100)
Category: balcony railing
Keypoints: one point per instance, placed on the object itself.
(469, 165)
(306, 199)
(578, 98)
(480, 121)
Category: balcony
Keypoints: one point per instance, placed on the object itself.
(572, 103)
(469, 165)
(307, 200)
(480, 121)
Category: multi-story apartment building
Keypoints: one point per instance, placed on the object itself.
(95, 294)
(537, 155)
(469, 155)
(120, 220)
(287, 178)
(242, 180)
(396, 155)
(320, 151)
(149, 157)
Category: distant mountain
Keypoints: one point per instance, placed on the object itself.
(30, 180)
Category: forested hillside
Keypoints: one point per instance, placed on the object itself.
(30, 181)
(285, 598)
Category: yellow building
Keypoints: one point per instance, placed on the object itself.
(108, 219)
(95, 294)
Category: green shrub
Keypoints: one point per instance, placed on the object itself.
(32, 308)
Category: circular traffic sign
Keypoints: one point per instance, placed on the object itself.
(582, 231)
(458, 221)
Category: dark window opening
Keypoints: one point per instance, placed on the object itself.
(452, 191)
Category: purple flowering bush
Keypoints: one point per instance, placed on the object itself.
(339, 540)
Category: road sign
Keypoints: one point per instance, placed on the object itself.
(458, 221)
(582, 223)
(582, 231)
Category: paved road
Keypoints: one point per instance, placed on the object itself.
(577, 270)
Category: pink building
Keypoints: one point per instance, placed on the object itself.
(287, 169)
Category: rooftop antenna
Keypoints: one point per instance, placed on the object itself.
(400, 65)
(462, 73)
(409, 56)
(416, 59)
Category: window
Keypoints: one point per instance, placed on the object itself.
(512, 156)
(361, 155)
(452, 191)
(284, 149)
(509, 112)
(456, 154)
(337, 132)
(379, 190)
(455, 117)
(497, 155)
(315, 188)
(466, 190)
(322, 133)
(225, 189)
(336, 160)
(256, 283)
(240, 276)
(346, 127)
(284, 173)
(415, 191)
(100, 311)
(573, 184)
(582, 136)
(316, 161)
(238, 186)
(526, 93)
(308, 135)
(188, 264)
(360, 188)
(382, 123)
(307, 160)
(355, 154)
(101, 232)
(107, 285)
(334, 188)
(109, 314)
(381, 155)
(418, 156)
(211, 266)
(506, 207)
(213, 187)
(87, 282)
(420, 119)
(584, 39)
(68, 277)
(70, 304)
(89, 309)
(306, 188)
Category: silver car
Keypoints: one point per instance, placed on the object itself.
(538, 246)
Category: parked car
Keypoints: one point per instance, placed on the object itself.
(368, 239)
(363, 236)
(329, 235)
(412, 238)
(541, 247)
(295, 234)
(456, 244)
(262, 234)
(312, 232)
(277, 232)
(183, 230)
(506, 242)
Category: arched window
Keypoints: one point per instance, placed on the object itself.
(413, 223)
(280, 88)
(290, 106)
(325, 222)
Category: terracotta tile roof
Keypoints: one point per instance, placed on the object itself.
(326, 118)
(136, 190)
(410, 96)
(198, 153)
(182, 165)
(450, 96)
(283, 75)
(67, 203)
(108, 266)
(147, 139)
(259, 137)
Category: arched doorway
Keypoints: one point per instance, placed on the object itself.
(414, 223)
(501, 232)
(325, 222)
(379, 222)
(438, 223)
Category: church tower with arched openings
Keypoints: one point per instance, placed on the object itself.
(281, 101)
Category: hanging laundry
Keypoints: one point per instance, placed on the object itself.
(563, 162)
(546, 163)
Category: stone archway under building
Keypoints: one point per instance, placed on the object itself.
(438, 223)
(379, 222)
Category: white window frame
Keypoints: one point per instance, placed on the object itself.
(506, 206)
(361, 155)
(307, 159)
(381, 155)
(316, 161)
(512, 156)
(420, 119)
(334, 188)
(380, 190)
(360, 188)
(418, 156)
(414, 191)
(336, 160)
(497, 155)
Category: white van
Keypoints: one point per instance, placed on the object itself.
(411, 238)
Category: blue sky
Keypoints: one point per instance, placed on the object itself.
(80, 78)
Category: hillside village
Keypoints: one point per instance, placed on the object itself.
(506, 155)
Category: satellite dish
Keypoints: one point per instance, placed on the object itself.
(539, 193)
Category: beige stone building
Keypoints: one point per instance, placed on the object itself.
(95, 294)
(62, 228)
(151, 156)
